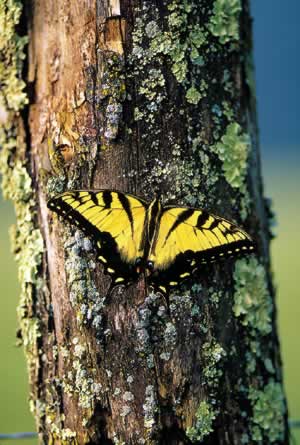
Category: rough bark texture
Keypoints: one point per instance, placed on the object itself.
(141, 96)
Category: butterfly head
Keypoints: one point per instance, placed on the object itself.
(139, 264)
(149, 267)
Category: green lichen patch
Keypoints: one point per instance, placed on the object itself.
(233, 151)
(12, 95)
(179, 44)
(203, 426)
(224, 22)
(268, 413)
(253, 306)
(174, 43)
(193, 96)
(183, 41)
(252, 301)
(27, 242)
(212, 354)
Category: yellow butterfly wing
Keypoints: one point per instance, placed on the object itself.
(114, 219)
(188, 238)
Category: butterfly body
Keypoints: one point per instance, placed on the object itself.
(165, 243)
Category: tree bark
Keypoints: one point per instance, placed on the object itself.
(142, 97)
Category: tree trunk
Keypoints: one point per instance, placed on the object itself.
(140, 96)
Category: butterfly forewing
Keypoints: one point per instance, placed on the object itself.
(188, 238)
(114, 220)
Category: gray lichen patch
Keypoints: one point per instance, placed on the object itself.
(150, 409)
(84, 385)
(169, 341)
(84, 295)
(81, 382)
(109, 93)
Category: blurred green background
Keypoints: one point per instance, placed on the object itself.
(14, 410)
(277, 42)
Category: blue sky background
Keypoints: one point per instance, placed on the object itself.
(277, 60)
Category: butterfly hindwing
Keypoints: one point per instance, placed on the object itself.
(187, 239)
(115, 221)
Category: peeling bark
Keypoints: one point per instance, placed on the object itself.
(144, 97)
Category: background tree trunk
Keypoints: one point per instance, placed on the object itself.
(140, 96)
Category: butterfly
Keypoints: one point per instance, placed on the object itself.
(165, 243)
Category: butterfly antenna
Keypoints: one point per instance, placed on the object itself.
(157, 193)
(146, 286)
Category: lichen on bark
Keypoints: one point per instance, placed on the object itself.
(26, 239)
(12, 94)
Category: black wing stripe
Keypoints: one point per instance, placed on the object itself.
(202, 219)
(187, 213)
(214, 224)
(229, 230)
(152, 221)
(93, 197)
(107, 199)
(126, 205)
